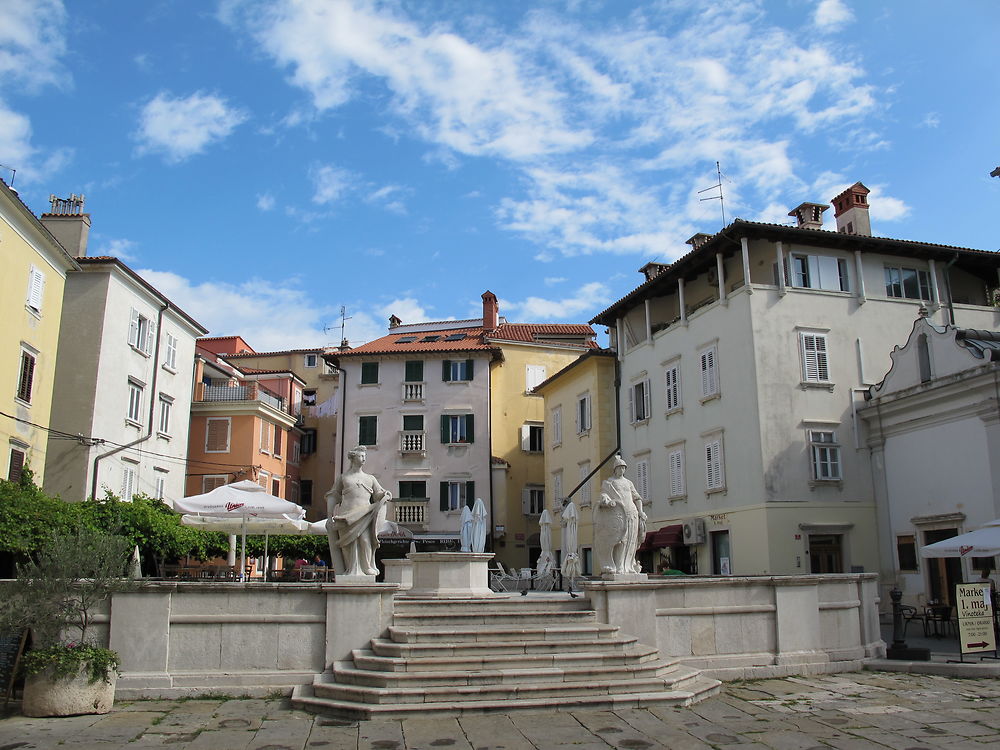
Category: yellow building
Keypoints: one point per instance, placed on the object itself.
(31, 293)
(580, 436)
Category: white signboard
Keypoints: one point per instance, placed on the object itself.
(975, 618)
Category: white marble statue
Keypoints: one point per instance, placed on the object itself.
(619, 523)
(356, 506)
(466, 533)
(479, 517)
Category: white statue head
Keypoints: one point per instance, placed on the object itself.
(618, 466)
(357, 455)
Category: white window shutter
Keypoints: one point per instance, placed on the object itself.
(133, 328)
(642, 476)
(36, 288)
(631, 404)
(147, 345)
(676, 465)
(556, 426)
(525, 437)
(557, 490)
(576, 418)
(526, 501)
(646, 403)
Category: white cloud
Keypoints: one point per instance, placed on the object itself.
(180, 127)
(330, 183)
(588, 299)
(832, 15)
(931, 120)
(389, 197)
(265, 202)
(407, 309)
(553, 280)
(32, 43)
(116, 247)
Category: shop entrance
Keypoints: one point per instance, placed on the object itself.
(826, 553)
(943, 573)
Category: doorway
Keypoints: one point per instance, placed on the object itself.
(943, 573)
(721, 562)
(826, 553)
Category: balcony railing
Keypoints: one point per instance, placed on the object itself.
(413, 513)
(413, 391)
(411, 441)
(249, 391)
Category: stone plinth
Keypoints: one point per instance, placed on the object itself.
(399, 571)
(450, 574)
(624, 577)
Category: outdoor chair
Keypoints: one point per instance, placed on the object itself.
(909, 615)
(501, 580)
(937, 618)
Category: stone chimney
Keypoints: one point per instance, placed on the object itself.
(851, 210)
(394, 322)
(809, 215)
(491, 311)
(697, 240)
(67, 222)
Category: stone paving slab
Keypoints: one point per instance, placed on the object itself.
(845, 711)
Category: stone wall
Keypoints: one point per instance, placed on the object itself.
(750, 627)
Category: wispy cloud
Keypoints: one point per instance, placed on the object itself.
(589, 298)
(265, 202)
(931, 120)
(330, 183)
(832, 15)
(116, 247)
(181, 127)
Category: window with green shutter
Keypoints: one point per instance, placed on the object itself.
(453, 370)
(367, 430)
(369, 373)
(414, 371)
(413, 421)
(457, 428)
(411, 490)
(456, 494)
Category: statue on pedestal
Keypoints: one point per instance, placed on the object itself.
(619, 523)
(356, 506)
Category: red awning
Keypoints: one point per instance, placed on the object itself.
(668, 536)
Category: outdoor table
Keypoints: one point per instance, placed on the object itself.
(938, 616)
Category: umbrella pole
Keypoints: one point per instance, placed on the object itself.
(266, 558)
(243, 553)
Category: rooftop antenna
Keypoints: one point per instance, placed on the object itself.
(13, 172)
(719, 197)
(344, 317)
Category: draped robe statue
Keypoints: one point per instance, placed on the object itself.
(356, 506)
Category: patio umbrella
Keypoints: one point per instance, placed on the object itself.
(241, 500)
(253, 526)
(983, 542)
(479, 525)
(571, 560)
(546, 560)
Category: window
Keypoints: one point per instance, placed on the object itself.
(533, 375)
(557, 489)
(638, 401)
(431, 338)
(308, 446)
(15, 466)
(295, 448)
(715, 474)
(675, 470)
(217, 431)
(128, 482)
(276, 486)
(583, 414)
(454, 337)
(818, 272)
(166, 404)
(672, 384)
(412, 490)
(454, 370)
(556, 426)
(456, 494)
(209, 483)
(306, 492)
(311, 360)
(414, 371)
(367, 430)
(263, 479)
(532, 439)
(908, 283)
(278, 440)
(709, 363)
(642, 478)
(533, 500)
(265, 437)
(413, 422)
(159, 484)
(36, 289)
(457, 428)
(369, 373)
(293, 491)
(134, 413)
(906, 551)
(170, 355)
(825, 455)
(309, 397)
(815, 367)
(140, 332)
(587, 560)
(584, 493)
(25, 376)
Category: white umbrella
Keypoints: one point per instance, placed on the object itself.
(571, 559)
(983, 542)
(466, 529)
(241, 500)
(479, 525)
(546, 560)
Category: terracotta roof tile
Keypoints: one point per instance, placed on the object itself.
(474, 339)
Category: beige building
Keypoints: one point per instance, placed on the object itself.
(580, 438)
(743, 364)
(32, 284)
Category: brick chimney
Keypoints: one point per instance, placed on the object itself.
(699, 239)
(809, 215)
(491, 311)
(851, 210)
(67, 222)
(395, 321)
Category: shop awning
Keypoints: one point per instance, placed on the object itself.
(667, 536)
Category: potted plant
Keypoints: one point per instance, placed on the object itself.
(57, 596)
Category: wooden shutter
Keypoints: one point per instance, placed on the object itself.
(16, 466)
(713, 464)
(217, 435)
(557, 490)
(133, 328)
(709, 377)
(446, 370)
(646, 403)
(814, 357)
(444, 496)
(468, 369)
(27, 377)
(670, 376)
(445, 432)
(36, 288)
(642, 477)
(526, 501)
(556, 426)
(676, 465)
(470, 428)
(147, 345)
(525, 437)
(631, 404)
(470, 493)
(414, 371)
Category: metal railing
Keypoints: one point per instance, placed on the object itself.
(248, 391)
(411, 441)
(413, 391)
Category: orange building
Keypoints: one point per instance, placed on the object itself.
(245, 422)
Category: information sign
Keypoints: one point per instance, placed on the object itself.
(975, 618)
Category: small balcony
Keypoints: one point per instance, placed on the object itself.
(411, 513)
(229, 391)
(413, 391)
(412, 441)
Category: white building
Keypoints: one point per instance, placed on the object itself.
(933, 427)
(740, 383)
(123, 382)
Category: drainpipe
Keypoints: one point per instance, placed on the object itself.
(152, 404)
(489, 452)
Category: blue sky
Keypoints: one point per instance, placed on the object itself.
(264, 163)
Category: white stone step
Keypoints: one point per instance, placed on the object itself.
(366, 659)
(389, 647)
(500, 631)
(446, 618)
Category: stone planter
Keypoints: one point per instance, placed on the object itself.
(67, 696)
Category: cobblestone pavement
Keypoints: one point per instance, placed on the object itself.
(858, 710)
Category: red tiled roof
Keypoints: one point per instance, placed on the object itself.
(314, 350)
(476, 339)
(535, 332)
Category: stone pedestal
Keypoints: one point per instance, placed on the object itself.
(362, 579)
(624, 577)
(399, 571)
(456, 575)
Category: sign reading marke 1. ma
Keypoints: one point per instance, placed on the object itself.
(975, 618)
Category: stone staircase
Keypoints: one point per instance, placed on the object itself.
(446, 657)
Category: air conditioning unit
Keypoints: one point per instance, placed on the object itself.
(694, 531)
